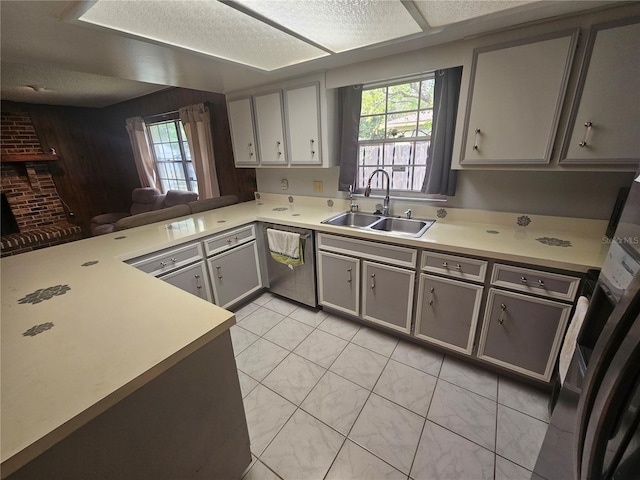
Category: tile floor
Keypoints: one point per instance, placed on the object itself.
(327, 398)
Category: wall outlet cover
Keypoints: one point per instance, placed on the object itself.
(284, 184)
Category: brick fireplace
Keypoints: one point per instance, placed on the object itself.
(30, 190)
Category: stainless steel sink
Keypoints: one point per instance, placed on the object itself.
(403, 226)
(349, 219)
(391, 225)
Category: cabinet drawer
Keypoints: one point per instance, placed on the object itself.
(395, 254)
(168, 260)
(523, 333)
(227, 240)
(548, 284)
(454, 266)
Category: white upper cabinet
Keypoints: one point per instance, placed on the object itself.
(516, 93)
(604, 126)
(302, 108)
(242, 132)
(270, 128)
(295, 124)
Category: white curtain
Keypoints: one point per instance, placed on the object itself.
(141, 153)
(197, 126)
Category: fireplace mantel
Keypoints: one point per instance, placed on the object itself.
(28, 157)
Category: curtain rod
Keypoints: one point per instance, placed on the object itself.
(172, 113)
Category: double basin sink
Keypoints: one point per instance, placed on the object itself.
(393, 225)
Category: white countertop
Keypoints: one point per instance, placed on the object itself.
(116, 328)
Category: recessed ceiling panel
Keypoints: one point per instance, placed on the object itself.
(445, 12)
(207, 27)
(337, 24)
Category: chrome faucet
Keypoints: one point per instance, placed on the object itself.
(353, 206)
(367, 191)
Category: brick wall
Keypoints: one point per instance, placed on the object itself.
(30, 190)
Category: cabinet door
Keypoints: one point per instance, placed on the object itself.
(302, 107)
(191, 279)
(269, 125)
(515, 98)
(338, 282)
(447, 312)
(242, 132)
(605, 122)
(235, 274)
(523, 333)
(387, 295)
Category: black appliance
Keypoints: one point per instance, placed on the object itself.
(594, 429)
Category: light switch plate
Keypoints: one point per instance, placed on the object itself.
(284, 184)
(317, 186)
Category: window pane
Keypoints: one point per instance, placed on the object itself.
(422, 149)
(400, 178)
(167, 152)
(373, 101)
(370, 155)
(187, 152)
(371, 128)
(426, 122)
(176, 154)
(379, 181)
(164, 133)
(159, 153)
(418, 178)
(191, 171)
(155, 135)
(401, 125)
(398, 153)
(426, 93)
(403, 97)
(173, 134)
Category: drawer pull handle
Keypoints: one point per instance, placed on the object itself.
(348, 275)
(311, 143)
(523, 279)
(586, 138)
(445, 265)
(219, 269)
(236, 238)
(163, 264)
(459, 267)
(174, 260)
(250, 147)
(475, 140)
(198, 286)
(229, 241)
(373, 281)
(278, 148)
(503, 308)
(431, 291)
(541, 283)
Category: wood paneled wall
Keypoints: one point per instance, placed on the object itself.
(96, 171)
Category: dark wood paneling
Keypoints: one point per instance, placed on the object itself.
(95, 172)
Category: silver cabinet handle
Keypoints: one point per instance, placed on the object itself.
(174, 260)
(445, 265)
(198, 286)
(541, 283)
(458, 267)
(503, 308)
(349, 275)
(163, 264)
(373, 281)
(431, 291)
(587, 135)
(229, 241)
(219, 269)
(250, 147)
(475, 140)
(312, 144)
(523, 279)
(278, 148)
(236, 238)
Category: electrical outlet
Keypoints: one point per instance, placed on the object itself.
(284, 184)
(317, 186)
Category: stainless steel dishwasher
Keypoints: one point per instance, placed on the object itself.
(297, 283)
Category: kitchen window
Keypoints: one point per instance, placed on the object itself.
(395, 134)
(172, 155)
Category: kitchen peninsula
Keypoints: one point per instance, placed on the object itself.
(92, 346)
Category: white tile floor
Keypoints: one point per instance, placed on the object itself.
(326, 398)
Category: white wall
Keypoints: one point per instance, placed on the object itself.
(564, 194)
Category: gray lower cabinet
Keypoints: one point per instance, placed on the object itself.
(192, 279)
(338, 282)
(235, 274)
(523, 333)
(387, 295)
(447, 312)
